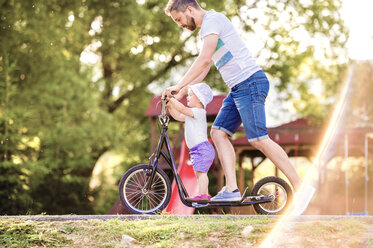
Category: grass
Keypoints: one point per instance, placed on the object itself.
(175, 232)
(165, 232)
(27, 234)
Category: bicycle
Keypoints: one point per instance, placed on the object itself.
(146, 189)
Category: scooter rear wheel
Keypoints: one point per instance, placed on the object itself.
(275, 188)
(136, 198)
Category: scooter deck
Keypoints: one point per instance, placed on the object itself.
(245, 201)
(212, 204)
(241, 200)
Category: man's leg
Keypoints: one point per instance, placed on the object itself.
(226, 156)
(303, 193)
(278, 156)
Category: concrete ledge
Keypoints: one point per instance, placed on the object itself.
(146, 217)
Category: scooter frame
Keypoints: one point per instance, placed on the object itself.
(183, 193)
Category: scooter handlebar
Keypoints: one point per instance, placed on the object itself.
(164, 102)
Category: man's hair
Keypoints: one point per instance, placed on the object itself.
(180, 5)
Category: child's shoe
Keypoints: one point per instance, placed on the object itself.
(199, 198)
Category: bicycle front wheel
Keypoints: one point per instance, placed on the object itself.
(136, 198)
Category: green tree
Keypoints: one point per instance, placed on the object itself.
(54, 130)
(13, 183)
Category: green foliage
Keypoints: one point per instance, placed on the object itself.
(59, 112)
(53, 128)
(13, 146)
(304, 44)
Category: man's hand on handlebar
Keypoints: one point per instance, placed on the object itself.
(169, 92)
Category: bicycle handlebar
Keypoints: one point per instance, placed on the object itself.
(164, 102)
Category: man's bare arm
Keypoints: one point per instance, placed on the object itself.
(203, 61)
(201, 66)
(199, 79)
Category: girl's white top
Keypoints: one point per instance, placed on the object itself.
(196, 128)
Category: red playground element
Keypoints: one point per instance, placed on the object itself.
(185, 170)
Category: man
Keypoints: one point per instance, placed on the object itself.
(244, 104)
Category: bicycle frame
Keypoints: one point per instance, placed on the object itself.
(164, 141)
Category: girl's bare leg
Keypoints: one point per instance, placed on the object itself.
(203, 182)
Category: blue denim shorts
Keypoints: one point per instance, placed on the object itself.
(245, 104)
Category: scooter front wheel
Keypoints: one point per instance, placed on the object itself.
(136, 198)
(275, 188)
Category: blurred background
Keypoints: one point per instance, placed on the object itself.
(77, 77)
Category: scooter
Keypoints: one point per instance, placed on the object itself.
(146, 189)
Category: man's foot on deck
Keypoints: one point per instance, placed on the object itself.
(301, 199)
(226, 196)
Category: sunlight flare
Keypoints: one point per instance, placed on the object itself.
(319, 160)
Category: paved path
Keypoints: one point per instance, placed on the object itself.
(302, 218)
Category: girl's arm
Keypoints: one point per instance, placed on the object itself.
(180, 107)
(174, 113)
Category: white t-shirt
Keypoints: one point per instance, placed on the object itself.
(196, 128)
(232, 58)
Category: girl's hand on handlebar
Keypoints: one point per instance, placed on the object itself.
(168, 99)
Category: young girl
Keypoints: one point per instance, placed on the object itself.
(202, 153)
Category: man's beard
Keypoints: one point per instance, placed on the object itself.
(191, 24)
